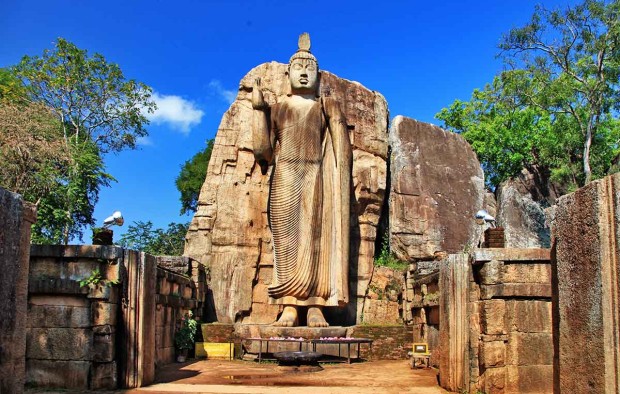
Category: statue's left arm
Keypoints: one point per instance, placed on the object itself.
(338, 131)
(339, 134)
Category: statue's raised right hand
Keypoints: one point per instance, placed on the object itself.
(258, 101)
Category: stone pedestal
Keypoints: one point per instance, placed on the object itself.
(304, 332)
(243, 331)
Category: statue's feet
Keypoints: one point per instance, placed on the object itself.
(316, 318)
(288, 317)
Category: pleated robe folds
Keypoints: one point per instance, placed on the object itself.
(309, 203)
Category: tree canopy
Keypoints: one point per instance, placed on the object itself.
(62, 112)
(90, 96)
(31, 147)
(192, 176)
(143, 237)
(556, 104)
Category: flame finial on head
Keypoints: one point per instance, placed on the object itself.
(303, 51)
(304, 42)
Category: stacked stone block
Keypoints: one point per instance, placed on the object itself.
(176, 295)
(95, 334)
(382, 304)
(389, 342)
(421, 305)
(72, 327)
(510, 339)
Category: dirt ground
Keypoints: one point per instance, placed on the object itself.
(250, 377)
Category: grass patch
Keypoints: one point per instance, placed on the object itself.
(387, 259)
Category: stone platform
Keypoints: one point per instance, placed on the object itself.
(245, 331)
(268, 331)
(389, 342)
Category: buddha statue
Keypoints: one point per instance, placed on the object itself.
(309, 195)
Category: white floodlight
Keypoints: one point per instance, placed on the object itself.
(115, 220)
(483, 216)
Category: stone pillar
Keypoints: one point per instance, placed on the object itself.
(16, 216)
(454, 322)
(138, 323)
(586, 315)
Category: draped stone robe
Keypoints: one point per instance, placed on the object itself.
(309, 203)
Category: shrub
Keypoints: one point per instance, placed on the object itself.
(185, 336)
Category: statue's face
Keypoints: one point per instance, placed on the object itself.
(303, 74)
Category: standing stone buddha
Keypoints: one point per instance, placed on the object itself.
(310, 191)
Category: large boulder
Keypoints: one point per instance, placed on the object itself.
(437, 185)
(230, 232)
(522, 202)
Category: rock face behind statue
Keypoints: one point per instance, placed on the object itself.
(522, 202)
(230, 232)
(437, 186)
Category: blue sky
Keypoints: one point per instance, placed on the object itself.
(420, 55)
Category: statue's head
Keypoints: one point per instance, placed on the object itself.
(303, 69)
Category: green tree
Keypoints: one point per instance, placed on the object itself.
(89, 109)
(69, 205)
(192, 176)
(11, 88)
(572, 57)
(91, 97)
(158, 242)
(555, 114)
(508, 136)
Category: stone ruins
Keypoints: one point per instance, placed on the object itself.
(538, 315)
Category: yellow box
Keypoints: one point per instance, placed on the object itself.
(420, 349)
(215, 351)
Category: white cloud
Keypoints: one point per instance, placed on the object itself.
(178, 113)
(227, 95)
(144, 141)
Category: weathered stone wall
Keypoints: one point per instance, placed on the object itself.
(16, 216)
(586, 257)
(75, 331)
(176, 295)
(230, 234)
(218, 332)
(382, 304)
(436, 187)
(72, 329)
(421, 305)
(390, 342)
(510, 336)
